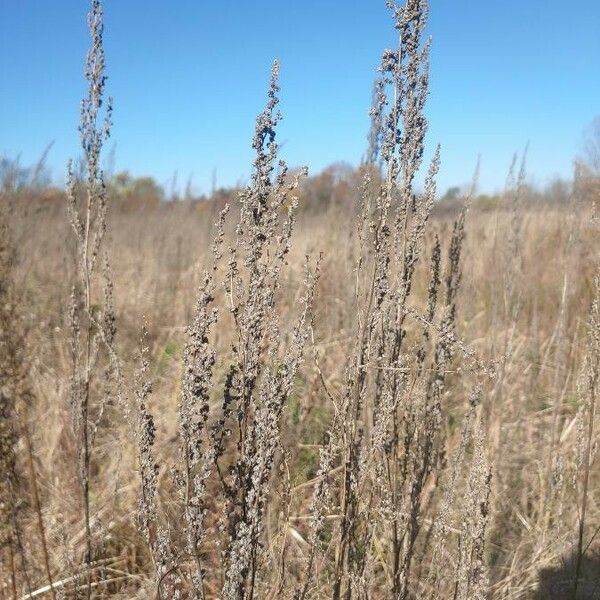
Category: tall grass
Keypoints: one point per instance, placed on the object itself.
(270, 399)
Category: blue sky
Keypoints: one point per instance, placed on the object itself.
(189, 76)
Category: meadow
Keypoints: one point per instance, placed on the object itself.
(330, 386)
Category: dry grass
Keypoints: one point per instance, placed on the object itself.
(408, 413)
(532, 406)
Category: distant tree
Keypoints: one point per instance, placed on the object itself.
(452, 193)
(146, 186)
(126, 186)
(558, 191)
(334, 186)
(121, 180)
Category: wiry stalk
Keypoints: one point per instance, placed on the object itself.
(396, 234)
(89, 225)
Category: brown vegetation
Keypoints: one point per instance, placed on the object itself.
(324, 388)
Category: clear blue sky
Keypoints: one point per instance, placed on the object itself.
(189, 76)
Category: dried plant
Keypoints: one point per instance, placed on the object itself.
(237, 445)
(260, 379)
(439, 444)
(392, 408)
(390, 436)
(90, 330)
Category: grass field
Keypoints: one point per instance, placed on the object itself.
(306, 388)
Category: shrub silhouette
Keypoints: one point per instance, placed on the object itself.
(557, 583)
